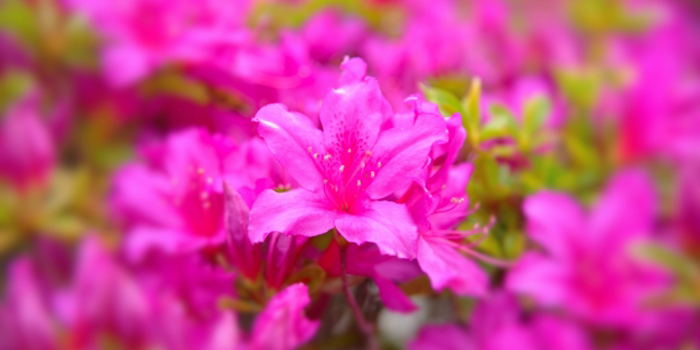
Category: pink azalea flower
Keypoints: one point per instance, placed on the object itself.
(346, 169)
(588, 267)
(27, 153)
(660, 113)
(175, 31)
(175, 202)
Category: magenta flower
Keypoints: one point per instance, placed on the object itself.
(26, 145)
(346, 169)
(588, 268)
(175, 202)
(175, 31)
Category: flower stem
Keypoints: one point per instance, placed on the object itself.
(366, 327)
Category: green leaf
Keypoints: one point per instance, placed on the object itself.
(501, 124)
(471, 116)
(448, 103)
(535, 113)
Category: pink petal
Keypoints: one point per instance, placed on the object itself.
(448, 268)
(225, 334)
(283, 325)
(141, 240)
(457, 135)
(353, 71)
(352, 116)
(555, 221)
(544, 279)
(293, 139)
(626, 210)
(141, 195)
(456, 187)
(393, 297)
(403, 154)
(246, 256)
(296, 212)
(125, 64)
(387, 224)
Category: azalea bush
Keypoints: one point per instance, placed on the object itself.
(350, 174)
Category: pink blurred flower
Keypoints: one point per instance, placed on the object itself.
(588, 268)
(175, 201)
(346, 169)
(660, 113)
(174, 32)
(27, 150)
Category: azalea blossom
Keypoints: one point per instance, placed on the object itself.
(588, 266)
(177, 31)
(347, 169)
(179, 203)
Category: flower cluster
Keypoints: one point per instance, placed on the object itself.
(278, 175)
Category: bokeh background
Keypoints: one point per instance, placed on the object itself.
(555, 95)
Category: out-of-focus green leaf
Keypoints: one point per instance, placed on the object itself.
(448, 103)
(471, 115)
(13, 85)
(501, 124)
(687, 271)
(535, 114)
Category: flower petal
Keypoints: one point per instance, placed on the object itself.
(625, 211)
(387, 224)
(246, 255)
(555, 221)
(293, 139)
(352, 115)
(141, 195)
(142, 240)
(283, 325)
(296, 212)
(448, 268)
(403, 153)
(393, 297)
(542, 278)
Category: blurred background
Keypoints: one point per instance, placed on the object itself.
(555, 95)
